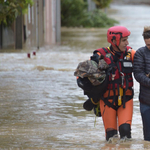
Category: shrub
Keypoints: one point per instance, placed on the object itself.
(74, 14)
(10, 9)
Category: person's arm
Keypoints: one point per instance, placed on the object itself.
(139, 69)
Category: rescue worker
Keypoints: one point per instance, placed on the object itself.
(116, 104)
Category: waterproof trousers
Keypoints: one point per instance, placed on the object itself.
(145, 113)
(119, 119)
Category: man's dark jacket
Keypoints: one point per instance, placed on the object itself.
(141, 67)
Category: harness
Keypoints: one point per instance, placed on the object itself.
(120, 78)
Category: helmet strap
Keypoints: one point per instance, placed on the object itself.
(118, 47)
(115, 45)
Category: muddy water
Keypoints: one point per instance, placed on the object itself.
(40, 103)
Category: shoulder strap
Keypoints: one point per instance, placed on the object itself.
(105, 50)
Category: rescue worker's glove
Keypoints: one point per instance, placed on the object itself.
(95, 58)
(88, 105)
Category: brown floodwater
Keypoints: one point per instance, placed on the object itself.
(40, 102)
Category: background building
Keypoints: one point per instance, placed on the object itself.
(40, 26)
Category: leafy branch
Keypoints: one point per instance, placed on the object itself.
(11, 9)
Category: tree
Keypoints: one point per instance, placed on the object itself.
(102, 3)
(74, 13)
(10, 9)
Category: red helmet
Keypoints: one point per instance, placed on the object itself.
(116, 33)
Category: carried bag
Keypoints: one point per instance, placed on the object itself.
(93, 79)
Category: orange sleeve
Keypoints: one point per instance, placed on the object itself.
(132, 54)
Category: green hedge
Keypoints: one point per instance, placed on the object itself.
(10, 9)
(74, 14)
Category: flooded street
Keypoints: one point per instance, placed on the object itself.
(40, 102)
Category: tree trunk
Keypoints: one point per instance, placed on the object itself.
(1, 36)
(19, 33)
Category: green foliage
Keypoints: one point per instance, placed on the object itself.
(97, 18)
(72, 11)
(74, 14)
(102, 3)
(10, 9)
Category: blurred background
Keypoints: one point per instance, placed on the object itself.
(36, 23)
(41, 44)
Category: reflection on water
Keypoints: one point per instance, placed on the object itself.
(86, 40)
(41, 104)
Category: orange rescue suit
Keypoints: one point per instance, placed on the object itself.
(118, 99)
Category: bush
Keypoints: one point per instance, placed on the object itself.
(10, 9)
(74, 14)
(97, 18)
(72, 11)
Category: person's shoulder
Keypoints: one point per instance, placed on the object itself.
(141, 49)
(100, 50)
(140, 52)
(129, 47)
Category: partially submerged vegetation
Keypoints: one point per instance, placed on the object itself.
(74, 13)
(11, 9)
